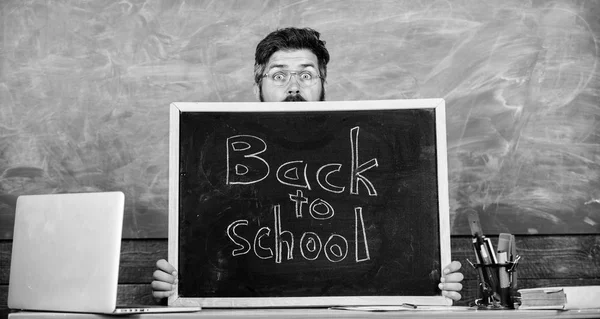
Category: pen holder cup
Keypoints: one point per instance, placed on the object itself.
(495, 287)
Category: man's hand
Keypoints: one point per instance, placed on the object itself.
(165, 280)
(450, 282)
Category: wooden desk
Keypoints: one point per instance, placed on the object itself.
(454, 312)
(550, 260)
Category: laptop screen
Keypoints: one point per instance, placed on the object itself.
(65, 253)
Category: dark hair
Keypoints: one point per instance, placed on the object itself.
(290, 39)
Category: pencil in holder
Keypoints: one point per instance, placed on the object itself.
(496, 287)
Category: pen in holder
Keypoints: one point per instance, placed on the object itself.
(496, 284)
(496, 273)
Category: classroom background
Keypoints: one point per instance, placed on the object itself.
(85, 88)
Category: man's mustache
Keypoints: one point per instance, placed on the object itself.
(294, 98)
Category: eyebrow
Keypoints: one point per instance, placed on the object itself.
(283, 66)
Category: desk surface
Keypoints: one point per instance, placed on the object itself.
(454, 312)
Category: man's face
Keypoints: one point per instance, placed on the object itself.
(294, 61)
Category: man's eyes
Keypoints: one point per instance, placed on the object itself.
(306, 75)
(281, 75)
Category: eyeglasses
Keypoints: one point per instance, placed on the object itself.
(282, 77)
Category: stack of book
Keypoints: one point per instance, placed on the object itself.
(562, 298)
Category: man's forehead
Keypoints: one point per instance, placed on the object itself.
(293, 58)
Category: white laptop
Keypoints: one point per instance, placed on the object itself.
(65, 254)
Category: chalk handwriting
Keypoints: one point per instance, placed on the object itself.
(298, 200)
(237, 146)
(335, 248)
(287, 174)
(320, 215)
(244, 245)
(357, 170)
(245, 166)
(324, 182)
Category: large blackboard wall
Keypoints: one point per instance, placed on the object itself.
(85, 89)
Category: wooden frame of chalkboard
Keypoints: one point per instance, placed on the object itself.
(308, 204)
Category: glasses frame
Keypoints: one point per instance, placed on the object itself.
(292, 73)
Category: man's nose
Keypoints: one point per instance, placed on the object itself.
(293, 87)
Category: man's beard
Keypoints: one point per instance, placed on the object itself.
(292, 98)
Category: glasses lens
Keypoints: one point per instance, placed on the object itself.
(304, 78)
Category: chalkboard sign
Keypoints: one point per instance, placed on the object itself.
(308, 204)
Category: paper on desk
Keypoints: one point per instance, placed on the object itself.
(399, 308)
(372, 308)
